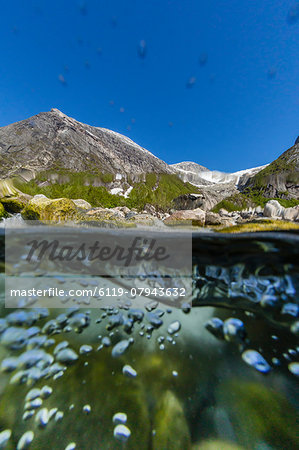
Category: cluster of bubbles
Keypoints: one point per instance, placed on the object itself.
(30, 335)
(258, 291)
(257, 294)
(35, 356)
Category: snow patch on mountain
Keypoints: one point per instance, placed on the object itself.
(215, 176)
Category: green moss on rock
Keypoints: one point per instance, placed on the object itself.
(42, 208)
(3, 213)
(15, 204)
(260, 415)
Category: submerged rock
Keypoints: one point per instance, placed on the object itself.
(170, 425)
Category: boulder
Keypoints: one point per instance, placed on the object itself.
(104, 214)
(42, 208)
(104, 217)
(144, 219)
(17, 203)
(149, 209)
(123, 209)
(259, 210)
(82, 204)
(194, 217)
(223, 212)
(273, 209)
(170, 424)
(291, 214)
(213, 219)
(188, 201)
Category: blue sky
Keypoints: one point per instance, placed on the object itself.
(242, 110)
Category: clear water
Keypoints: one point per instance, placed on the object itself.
(222, 375)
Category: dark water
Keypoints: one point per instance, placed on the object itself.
(221, 375)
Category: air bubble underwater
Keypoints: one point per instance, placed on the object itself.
(63, 356)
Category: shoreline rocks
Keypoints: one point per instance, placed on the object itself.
(194, 217)
(273, 209)
(80, 212)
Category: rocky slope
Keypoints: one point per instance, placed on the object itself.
(214, 185)
(52, 140)
(191, 172)
(201, 176)
(280, 178)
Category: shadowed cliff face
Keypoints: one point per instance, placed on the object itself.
(52, 140)
(281, 177)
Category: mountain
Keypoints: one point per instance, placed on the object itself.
(280, 178)
(52, 140)
(201, 176)
(55, 155)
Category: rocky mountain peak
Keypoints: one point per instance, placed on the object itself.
(52, 140)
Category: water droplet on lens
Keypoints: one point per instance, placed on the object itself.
(190, 83)
(293, 14)
(142, 49)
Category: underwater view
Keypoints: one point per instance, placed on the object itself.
(220, 372)
(149, 225)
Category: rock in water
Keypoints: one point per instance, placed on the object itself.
(170, 425)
